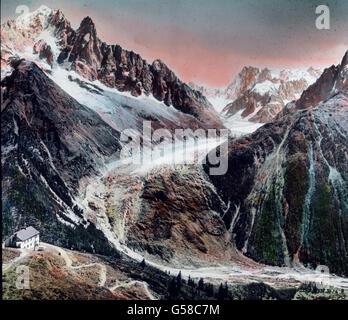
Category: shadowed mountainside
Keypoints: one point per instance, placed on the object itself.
(287, 183)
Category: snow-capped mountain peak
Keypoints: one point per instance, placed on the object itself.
(262, 89)
(46, 37)
(26, 19)
(258, 94)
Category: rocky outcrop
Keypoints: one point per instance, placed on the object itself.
(44, 51)
(287, 183)
(269, 111)
(127, 71)
(244, 81)
(176, 228)
(151, 213)
(258, 95)
(333, 80)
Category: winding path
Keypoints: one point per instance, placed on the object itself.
(131, 283)
(102, 274)
(69, 262)
(8, 265)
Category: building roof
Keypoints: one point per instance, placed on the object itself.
(26, 233)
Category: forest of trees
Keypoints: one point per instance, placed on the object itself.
(177, 285)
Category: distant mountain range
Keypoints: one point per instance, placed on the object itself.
(259, 94)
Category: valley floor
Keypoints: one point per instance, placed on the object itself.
(57, 273)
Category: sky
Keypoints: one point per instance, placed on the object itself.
(208, 42)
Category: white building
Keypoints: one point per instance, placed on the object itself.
(27, 238)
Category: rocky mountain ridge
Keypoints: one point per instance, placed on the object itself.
(55, 41)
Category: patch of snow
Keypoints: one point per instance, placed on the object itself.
(6, 71)
(16, 130)
(219, 102)
(47, 36)
(308, 198)
(240, 126)
(178, 153)
(275, 73)
(266, 87)
(121, 110)
(298, 75)
(61, 220)
(67, 212)
(87, 37)
(25, 19)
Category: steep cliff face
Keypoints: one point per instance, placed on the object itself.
(287, 183)
(151, 213)
(50, 144)
(332, 81)
(56, 42)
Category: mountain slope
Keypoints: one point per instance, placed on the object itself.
(285, 192)
(287, 183)
(50, 145)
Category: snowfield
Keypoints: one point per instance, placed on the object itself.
(240, 126)
(266, 87)
(219, 102)
(25, 19)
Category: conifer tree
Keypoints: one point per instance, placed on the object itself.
(201, 284)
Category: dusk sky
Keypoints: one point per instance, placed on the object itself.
(208, 42)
